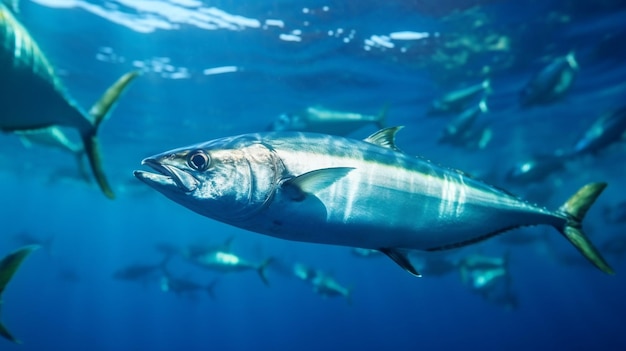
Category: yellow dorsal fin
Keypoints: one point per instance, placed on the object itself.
(385, 137)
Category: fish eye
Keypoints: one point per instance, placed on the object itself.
(198, 160)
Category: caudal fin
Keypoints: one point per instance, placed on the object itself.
(7, 335)
(8, 266)
(575, 209)
(99, 111)
(261, 270)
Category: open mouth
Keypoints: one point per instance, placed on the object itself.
(168, 176)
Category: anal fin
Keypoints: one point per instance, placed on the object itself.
(401, 257)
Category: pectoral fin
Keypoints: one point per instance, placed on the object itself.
(401, 257)
(313, 181)
(7, 335)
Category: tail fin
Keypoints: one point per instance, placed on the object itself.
(261, 270)
(8, 266)
(7, 335)
(575, 209)
(381, 122)
(98, 112)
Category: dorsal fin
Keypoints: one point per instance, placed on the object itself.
(385, 137)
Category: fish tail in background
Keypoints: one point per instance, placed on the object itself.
(575, 209)
(261, 270)
(99, 111)
(7, 335)
(8, 266)
(381, 123)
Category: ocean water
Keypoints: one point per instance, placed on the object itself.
(218, 68)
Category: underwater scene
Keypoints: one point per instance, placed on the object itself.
(312, 175)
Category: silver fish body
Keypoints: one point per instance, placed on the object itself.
(537, 168)
(457, 101)
(327, 286)
(552, 83)
(29, 73)
(333, 190)
(321, 120)
(463, 129)
(33, 97)
(609, 128)
(227, 262)
(323, 283)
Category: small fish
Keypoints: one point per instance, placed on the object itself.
(489, 277)
(323, 284)
(320, 120)
(460, 130)
(552, 83)
(483, 263)
(138, 272)
(180, 286)
(537, 168)
(27, 74)
(358, 193)
(458, 101)
(610, 128)
(141, 272)
(303, 272)
(8, 266)
(225, 261)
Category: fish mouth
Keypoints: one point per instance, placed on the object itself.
(169, 176)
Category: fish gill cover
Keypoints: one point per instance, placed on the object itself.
(527, 97)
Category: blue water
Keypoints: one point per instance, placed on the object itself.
(280, 56)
